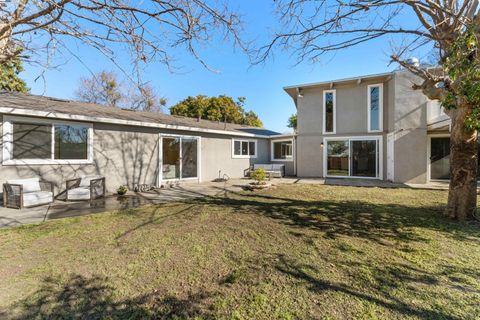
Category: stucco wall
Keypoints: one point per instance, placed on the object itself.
(130, 155)
(351, 121)
(410, 131)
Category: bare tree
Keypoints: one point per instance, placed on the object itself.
(102, 88)
(313, 28)
(149, 29)
(145, 98)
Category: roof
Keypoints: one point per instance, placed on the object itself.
(293, 89)
(41, 106)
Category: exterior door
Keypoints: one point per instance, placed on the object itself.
(179, 158)
(439, 158)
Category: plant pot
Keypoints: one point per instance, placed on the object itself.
(121, 193)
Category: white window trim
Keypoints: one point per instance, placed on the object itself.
(8, 142)
(234, 156)
(380, 107)
(272, 154)
(354, 138)
(160, 158)
(334, 92)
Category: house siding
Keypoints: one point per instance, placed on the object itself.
(130, 155)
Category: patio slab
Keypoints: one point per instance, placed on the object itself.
(61, 209)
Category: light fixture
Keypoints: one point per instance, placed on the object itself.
(299, 93)
(321, 145)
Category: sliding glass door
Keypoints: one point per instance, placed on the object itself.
(179, 158)
(353, 157)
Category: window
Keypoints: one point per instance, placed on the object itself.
(329, 111)
(375, 107)
(244, 148)
(353, 157)
(40, 141)
(282, 150)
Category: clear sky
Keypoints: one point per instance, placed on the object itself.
(261, 85)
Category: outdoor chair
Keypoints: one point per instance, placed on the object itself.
(85, 188)
(22, 193)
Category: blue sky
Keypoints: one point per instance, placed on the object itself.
(261, 85)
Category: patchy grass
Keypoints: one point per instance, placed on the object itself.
(296, 251)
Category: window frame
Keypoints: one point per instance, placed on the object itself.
(8, 141)
(272, 150)
(249, 156)
(380, 156)
(380, 107)
(324, 111)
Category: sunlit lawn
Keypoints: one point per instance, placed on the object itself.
(295, 251)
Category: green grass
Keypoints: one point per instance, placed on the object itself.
(294, 251)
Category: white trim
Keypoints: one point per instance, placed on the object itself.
(315, 84)
(72, 117)
(236, 156)
(380, 106)
(324, 118)
(379, 163)
(283, 135)
(272, 153)
(429, 154)
(8, 142)
(160, 158)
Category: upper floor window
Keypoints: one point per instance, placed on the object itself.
(244, 148)
(375, 107)
(329, 111)
(39, 141)
(282, 150)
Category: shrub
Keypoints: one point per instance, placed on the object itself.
(258, 175)
(122, 190)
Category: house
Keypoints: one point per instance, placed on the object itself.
(371, 127)
(59, 140)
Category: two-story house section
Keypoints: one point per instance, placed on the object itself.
(371, 127)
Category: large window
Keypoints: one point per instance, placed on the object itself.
(39, 141)
(329, 111)
(282, 150)
(244, 148)
(353, 157)
(375, 107)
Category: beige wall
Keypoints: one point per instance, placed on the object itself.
(351, 121)
(410, 124)
(130, 155)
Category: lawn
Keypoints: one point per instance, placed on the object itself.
(295, 251)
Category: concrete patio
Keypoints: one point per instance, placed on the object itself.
(61, 209)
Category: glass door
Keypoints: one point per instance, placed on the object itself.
(170, 158)
(179, 158)
(440, 158)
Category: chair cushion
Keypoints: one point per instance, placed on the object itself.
(29, 185)
(80, 193)
(37, 198)
(85, 181)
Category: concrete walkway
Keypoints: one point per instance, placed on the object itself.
(61, 209)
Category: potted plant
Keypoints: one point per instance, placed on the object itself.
(259, 176)
(122, 190)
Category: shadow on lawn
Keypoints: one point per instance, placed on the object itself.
(377, 222)
(93, 298)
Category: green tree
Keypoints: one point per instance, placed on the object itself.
(292, 122)
(9, 79)
(221, 108)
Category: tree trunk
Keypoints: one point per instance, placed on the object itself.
(462, 194)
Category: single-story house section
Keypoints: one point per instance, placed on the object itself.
(58, 140)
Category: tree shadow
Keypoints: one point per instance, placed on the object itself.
(380, 294)
(382, 223)
(92, 298)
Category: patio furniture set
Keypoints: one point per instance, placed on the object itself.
(22, 193)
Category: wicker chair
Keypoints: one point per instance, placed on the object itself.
(85, 188)
(24, 193)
